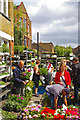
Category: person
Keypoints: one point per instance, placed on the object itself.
(36, 77)
(55, 90)
(62, 77)
(18, 82)
(49, 76)
(76, 79)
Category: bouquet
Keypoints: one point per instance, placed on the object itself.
(26, 75)
(43, 71)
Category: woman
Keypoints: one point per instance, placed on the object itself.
(36, 76)
(63, 77)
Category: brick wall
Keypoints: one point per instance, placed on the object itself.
(25, 16)
(44, 47)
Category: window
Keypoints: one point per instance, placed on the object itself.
(24, 41)
(0, 6)
(4, 7)
(24, 22)
(20, 21)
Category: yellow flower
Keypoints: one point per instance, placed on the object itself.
(61, 95)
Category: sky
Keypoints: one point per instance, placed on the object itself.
(55, 20)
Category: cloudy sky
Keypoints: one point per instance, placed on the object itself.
(55, 20)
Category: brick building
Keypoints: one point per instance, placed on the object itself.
(76, 51)
(44, 47)
(6, 23)
(25, 23)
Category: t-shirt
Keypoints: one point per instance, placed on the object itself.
(55, 89)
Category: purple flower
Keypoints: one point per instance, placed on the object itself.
(11, 94)
(18, 99)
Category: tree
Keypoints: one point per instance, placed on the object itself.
(19, 29)
(63, 51)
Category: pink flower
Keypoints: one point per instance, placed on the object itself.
(24, 74)
(17, 95)
(22, 113)
(39, 106)
(29, 70)
(21, 98)
(26, 110)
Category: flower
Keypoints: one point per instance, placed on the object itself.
(26, 75)
(28, 88)
(35, 116)
(21, 98)
(26, 110)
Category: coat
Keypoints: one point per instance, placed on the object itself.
(66, 75)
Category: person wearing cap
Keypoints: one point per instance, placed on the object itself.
(56, 90)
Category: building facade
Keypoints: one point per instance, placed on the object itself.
(25, 24)
(49, 47)
(7, 24)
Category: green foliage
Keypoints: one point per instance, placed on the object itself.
(4, 48)
(62, 51)
(8, 116)
(2, 83)
(18, 48)
(15, 102)
(43, 71)
(21, 30)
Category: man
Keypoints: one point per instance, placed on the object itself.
(55, 90)
(18, 83)
(76, 79)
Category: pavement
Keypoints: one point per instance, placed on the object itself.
(36, 100)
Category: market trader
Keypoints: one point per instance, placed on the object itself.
(18, 83)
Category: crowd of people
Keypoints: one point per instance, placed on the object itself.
(65, 75)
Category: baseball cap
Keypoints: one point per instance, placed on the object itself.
(67, 91)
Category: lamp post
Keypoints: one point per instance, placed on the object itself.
(37, 45)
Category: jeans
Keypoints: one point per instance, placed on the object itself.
(76, 90)
(60, 100)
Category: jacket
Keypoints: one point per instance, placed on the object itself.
(66, 75)
(17, 77)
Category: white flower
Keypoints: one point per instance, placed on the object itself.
(74, 107)
(57, 112)
(34, 105)
(64, 107)
(30, 116)
(29, 88)
(0, 63)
